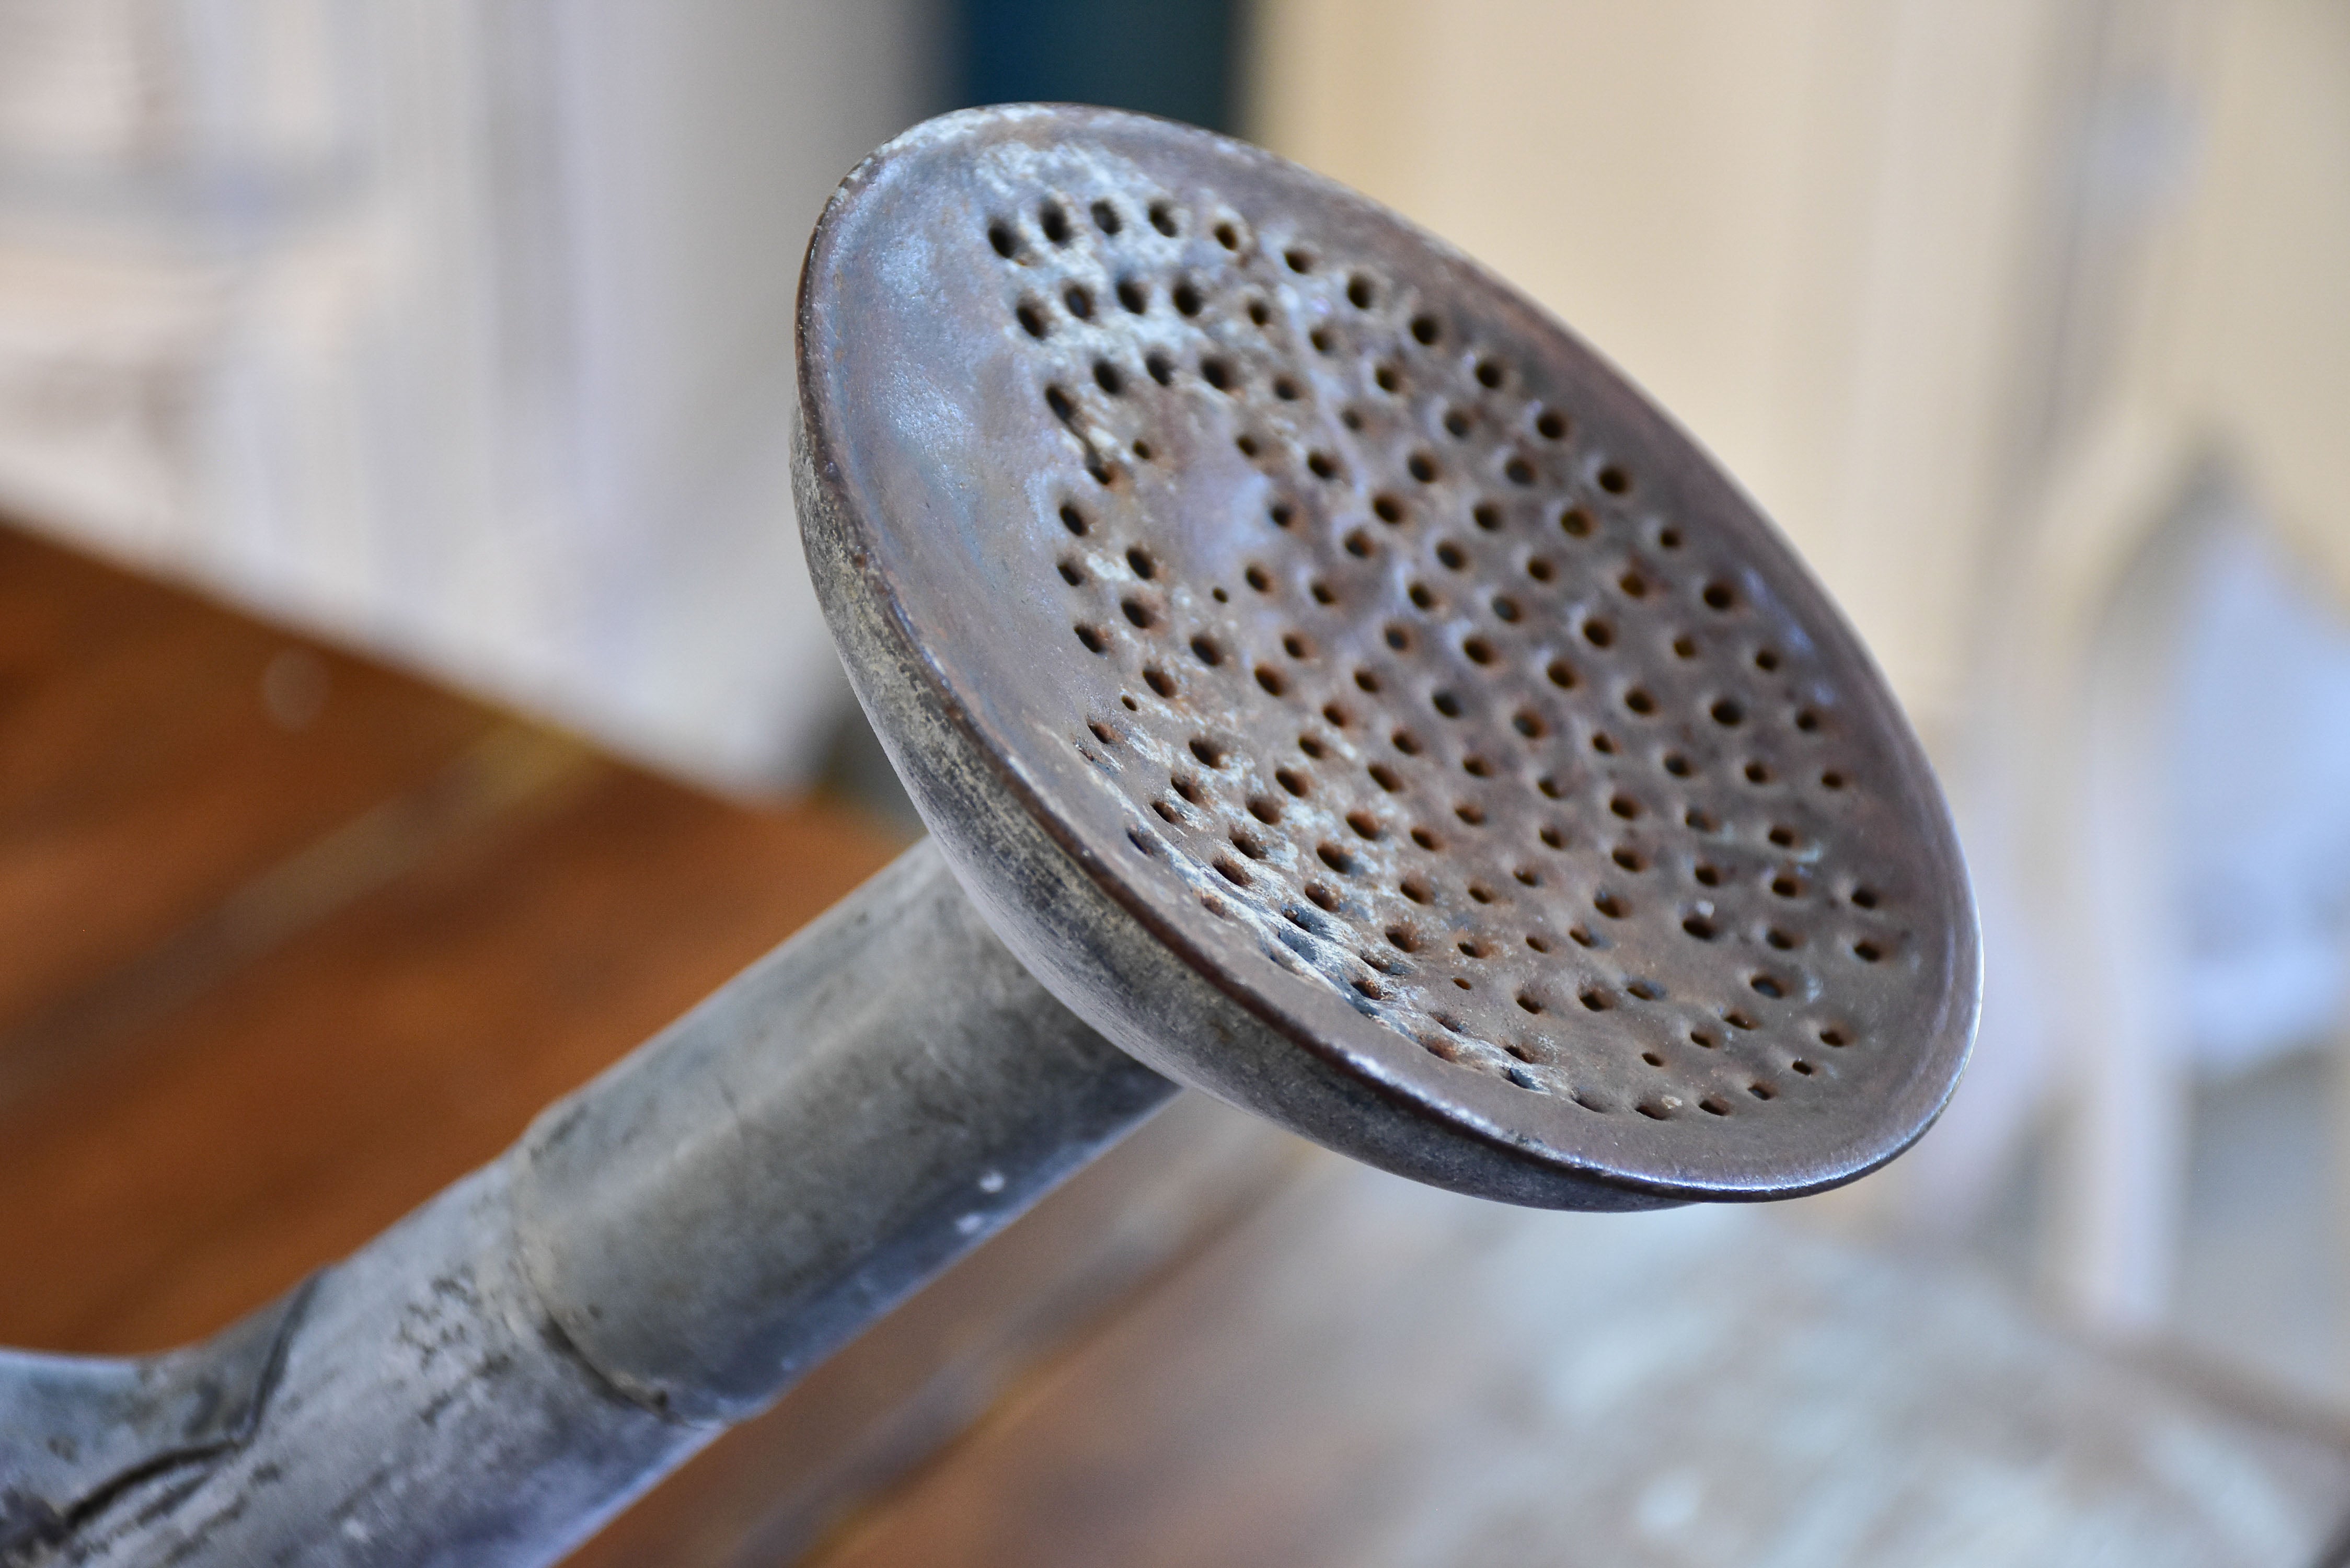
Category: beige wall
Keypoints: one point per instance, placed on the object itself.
(1896, 263)
(1806, 225)
(1966, 292)
(2247, 329)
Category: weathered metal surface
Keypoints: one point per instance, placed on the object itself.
(1325, 676)
(722, 1210)
(664, 1252)
(425, 1413)
(82, 1430)
(1351, 695)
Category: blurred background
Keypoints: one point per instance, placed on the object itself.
(443, 351)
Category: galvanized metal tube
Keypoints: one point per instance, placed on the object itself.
(725, 1209)
(665, 1251)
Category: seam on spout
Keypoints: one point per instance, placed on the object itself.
(43, 1525)
(549, 1322)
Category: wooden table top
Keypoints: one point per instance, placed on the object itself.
(293, 940)
(1370, 1374)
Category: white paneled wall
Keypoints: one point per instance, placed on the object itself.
(459, 329)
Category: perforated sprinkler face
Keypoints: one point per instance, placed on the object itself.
(1348, 692)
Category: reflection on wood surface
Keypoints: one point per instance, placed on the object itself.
(1373, 1374)
(290, 947)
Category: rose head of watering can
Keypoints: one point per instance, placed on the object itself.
(1352, 696)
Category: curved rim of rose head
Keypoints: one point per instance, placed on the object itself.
(1348, 692)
